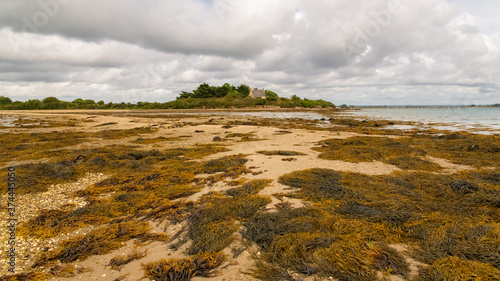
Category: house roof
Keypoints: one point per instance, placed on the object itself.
(259, 93)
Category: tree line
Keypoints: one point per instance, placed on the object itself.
(204, 96)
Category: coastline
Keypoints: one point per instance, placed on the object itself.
(203, 158)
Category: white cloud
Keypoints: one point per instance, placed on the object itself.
(429, 51)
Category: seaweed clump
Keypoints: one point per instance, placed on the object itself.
(97, 242)
(474, 242)
(230, 166)
(367, 149)
(413, 163)
(444, 215)
(316, 183)
(30, 276)
(40, 176)
(308, 241)
(386, 259)
(467, 149)
(65, 166)
(280, 152)
(455, 268)
(224, 164)
(249, 188)
(203, 265)
(213, 222)
(123, 206)
(119, 261)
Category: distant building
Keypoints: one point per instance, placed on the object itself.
(257, 94)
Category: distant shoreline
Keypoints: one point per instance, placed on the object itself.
(426, 106)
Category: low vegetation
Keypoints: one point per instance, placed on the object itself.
(205, 96)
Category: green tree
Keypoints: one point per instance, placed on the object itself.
(33, 104)
(185, 95)
(225, 89)
(205, 91)
(5, 100)
(52, 103)
(271, 96)
(233, 95)
(244, 90)
(50, 100)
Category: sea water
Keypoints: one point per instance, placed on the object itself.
(442, 118)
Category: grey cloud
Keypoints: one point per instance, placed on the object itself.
(431, 52)
(170, 26)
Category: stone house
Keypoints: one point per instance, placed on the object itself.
(257, 94)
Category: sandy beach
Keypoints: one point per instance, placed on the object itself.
(266, 147)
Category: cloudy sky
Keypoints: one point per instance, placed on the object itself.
(362, 52)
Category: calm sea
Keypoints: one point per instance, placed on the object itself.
(463, 118)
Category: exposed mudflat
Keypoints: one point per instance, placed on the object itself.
(95, 169)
